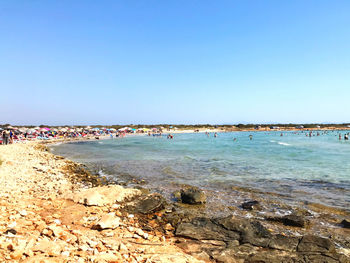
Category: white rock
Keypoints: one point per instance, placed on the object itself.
(108, 221)
(23, 213)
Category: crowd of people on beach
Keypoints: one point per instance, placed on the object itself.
(9, 135)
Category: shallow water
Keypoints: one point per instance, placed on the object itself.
(296, 167)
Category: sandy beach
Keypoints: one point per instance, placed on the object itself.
(42, 220)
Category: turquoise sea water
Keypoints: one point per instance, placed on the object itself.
(297, 167)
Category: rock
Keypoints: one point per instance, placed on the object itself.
(109, 221)
(294, 220)
(289, 220)
(56, 230)
(23, 212)
(345, 223)
(108, 257)
(17, 254)
(193, 196)
(122, 248)
(251, 205)
(48, 247)
(147, 204)
(105, 195)
(251, 232)
(274, 256)
(284, 243)
(225, 256)
(202, 256)
(11, 231)
(177, 195)
(92, 198)
(205, 229)
(311, 243)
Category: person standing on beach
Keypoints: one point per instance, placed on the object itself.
(5, 137)
(11, 136)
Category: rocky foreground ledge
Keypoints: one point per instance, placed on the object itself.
(54, 211)
(44, 217)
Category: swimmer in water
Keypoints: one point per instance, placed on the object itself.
(215, 135)
(234, 139)
(251, 137)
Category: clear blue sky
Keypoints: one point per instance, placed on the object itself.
(110, 62)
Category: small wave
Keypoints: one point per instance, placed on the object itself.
(284, 143)
(272, 141)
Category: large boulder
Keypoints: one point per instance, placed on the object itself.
(193, 196)
(105, 195)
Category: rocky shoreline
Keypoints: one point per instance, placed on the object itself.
(54, 210)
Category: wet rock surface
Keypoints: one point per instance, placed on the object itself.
(345, 223)
(231, 239)
(250, 205)
(193, 196)
(290, 220)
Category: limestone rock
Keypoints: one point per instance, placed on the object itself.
(48, 247)
(108, 221)
(105, 195)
